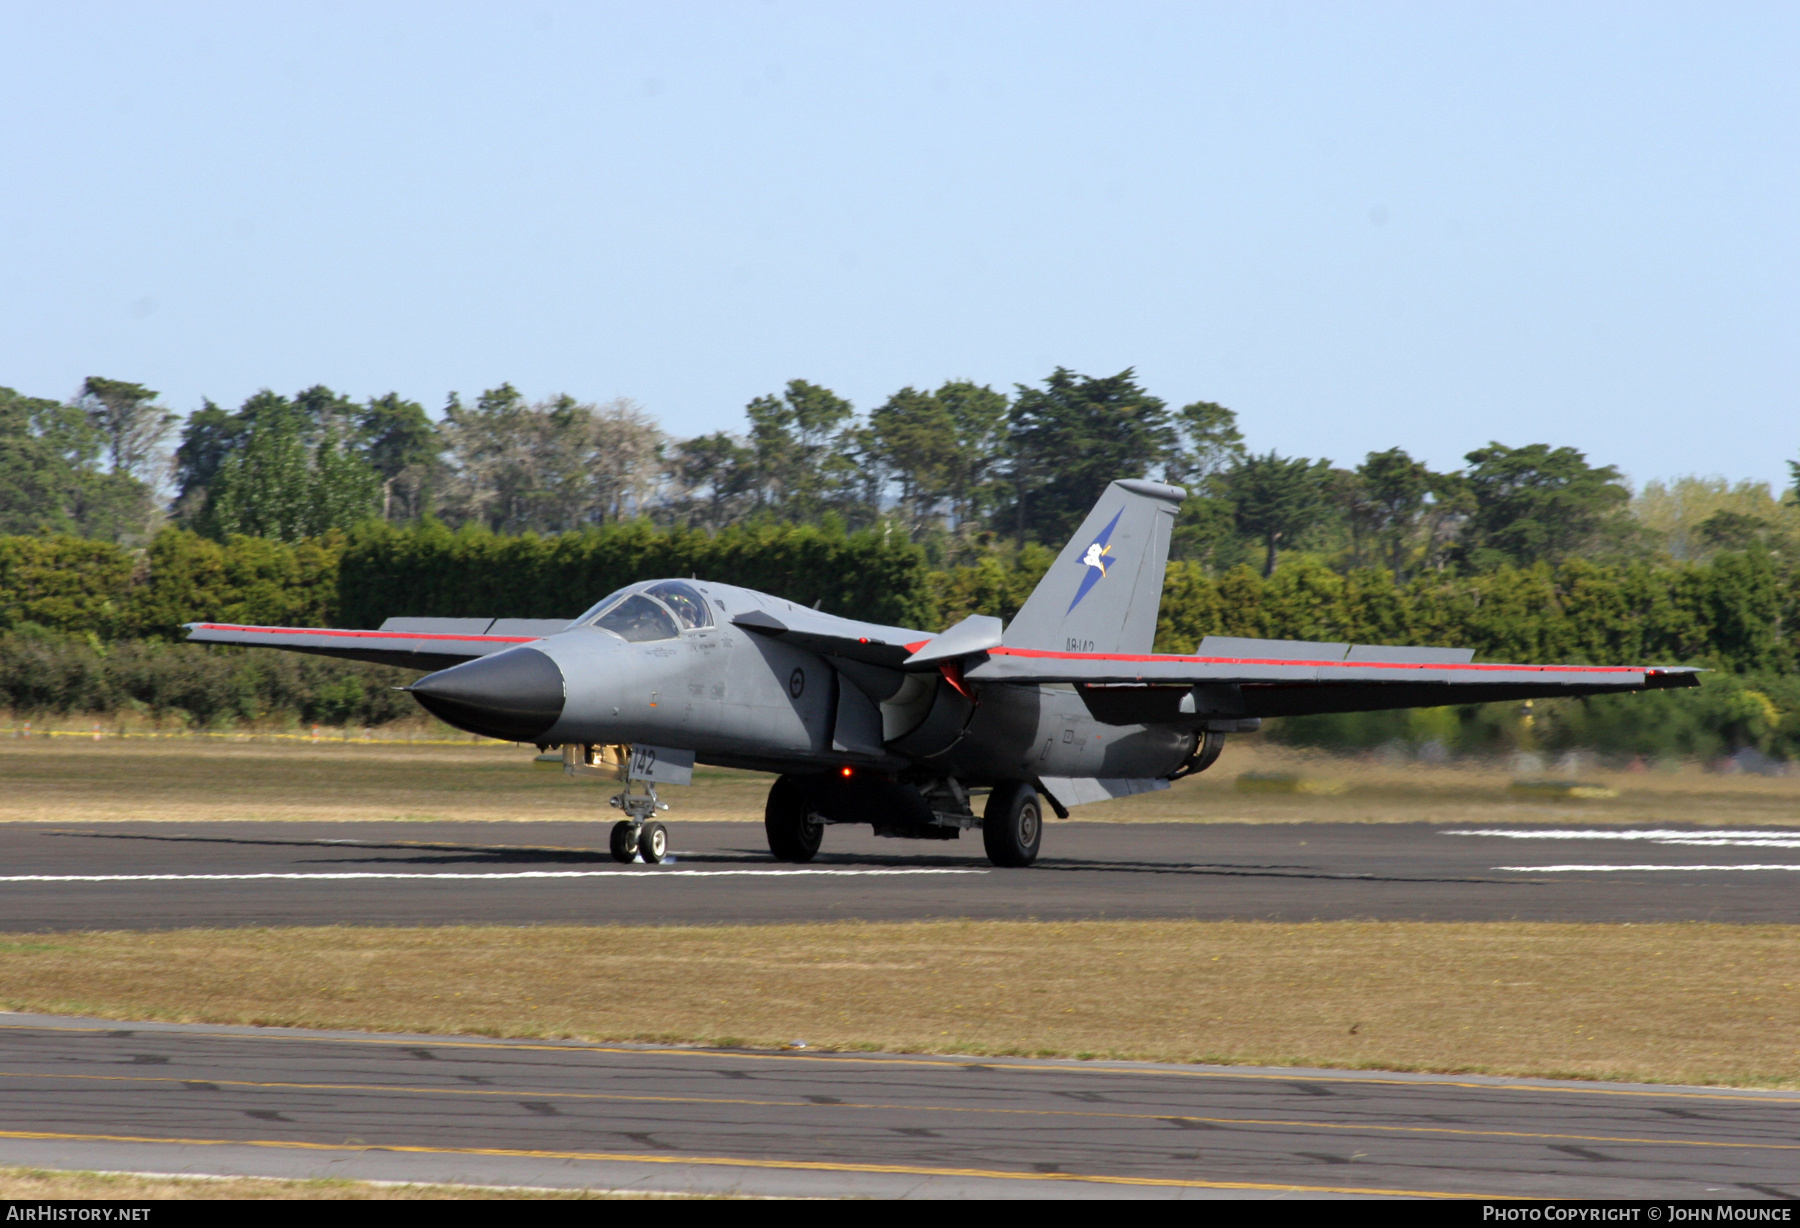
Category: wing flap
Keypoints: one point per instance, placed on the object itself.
(1233, 646)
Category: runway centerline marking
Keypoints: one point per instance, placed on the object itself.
(633, 1157)
(515, 1094)
(1784, 1099)
(467, 875)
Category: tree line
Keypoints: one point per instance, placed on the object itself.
(89, 626)
(1735, 612)
(120, 521)
(964, 470)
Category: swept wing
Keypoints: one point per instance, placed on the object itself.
(416, 643)
(1257, 678)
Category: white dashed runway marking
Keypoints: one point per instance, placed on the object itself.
(1655, 836)
(1620, 869)
(1721, 839)
(350, 875)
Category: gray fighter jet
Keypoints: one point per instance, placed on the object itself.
(900, 728)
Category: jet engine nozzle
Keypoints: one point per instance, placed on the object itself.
(514, 695)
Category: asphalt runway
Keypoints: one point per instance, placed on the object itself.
(163, 875)
(170, 1098)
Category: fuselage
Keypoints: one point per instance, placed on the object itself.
(685, 676)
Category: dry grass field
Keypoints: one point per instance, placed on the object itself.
(1686, 1003)
(81, 780)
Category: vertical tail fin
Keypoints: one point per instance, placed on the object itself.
(1102, 593)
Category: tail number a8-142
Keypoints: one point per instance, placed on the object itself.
(1076, 645)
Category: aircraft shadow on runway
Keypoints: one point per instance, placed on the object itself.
(434, 853)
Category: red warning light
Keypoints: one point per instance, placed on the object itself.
(846, 771)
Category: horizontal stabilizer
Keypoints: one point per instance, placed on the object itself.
(976, 633)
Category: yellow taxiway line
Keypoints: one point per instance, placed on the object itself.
(1424, 1079)
(829, 1166)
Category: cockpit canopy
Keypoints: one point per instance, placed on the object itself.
(660, 611)
(685, 602)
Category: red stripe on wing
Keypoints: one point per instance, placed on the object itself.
(373, 635)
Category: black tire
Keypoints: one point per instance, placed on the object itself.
(624, 841)
(1012, 825)
(793, 836)
(653, 843)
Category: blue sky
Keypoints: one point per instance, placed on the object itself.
(1358, 225)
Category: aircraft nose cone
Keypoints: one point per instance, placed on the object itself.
(514, 695)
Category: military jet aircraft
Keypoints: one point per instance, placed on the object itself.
(900, 728)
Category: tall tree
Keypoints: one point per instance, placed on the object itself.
(625, 449)
(1275, 499)
(1537, 504)
(803, 455)
(322, 412)
(714, 478)
(401, 445)
(212, 434)
(278, 468)
(916, 439)
(40, 463)
(978, 418)
(1070, 438)
(51, 480)
(493, 449)
(1396, 492)
(1210, 444)
(129, 422)
(550, 467)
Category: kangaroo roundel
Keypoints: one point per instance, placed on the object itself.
(1095, 559)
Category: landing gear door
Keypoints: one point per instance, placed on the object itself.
(660, 765)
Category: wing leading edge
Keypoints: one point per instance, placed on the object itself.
(415, 643)
(1131, 689)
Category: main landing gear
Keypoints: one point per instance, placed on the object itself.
(1012, 824)
(794, 828)
(801, 807)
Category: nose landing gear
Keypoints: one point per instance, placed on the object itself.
(635, 835)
